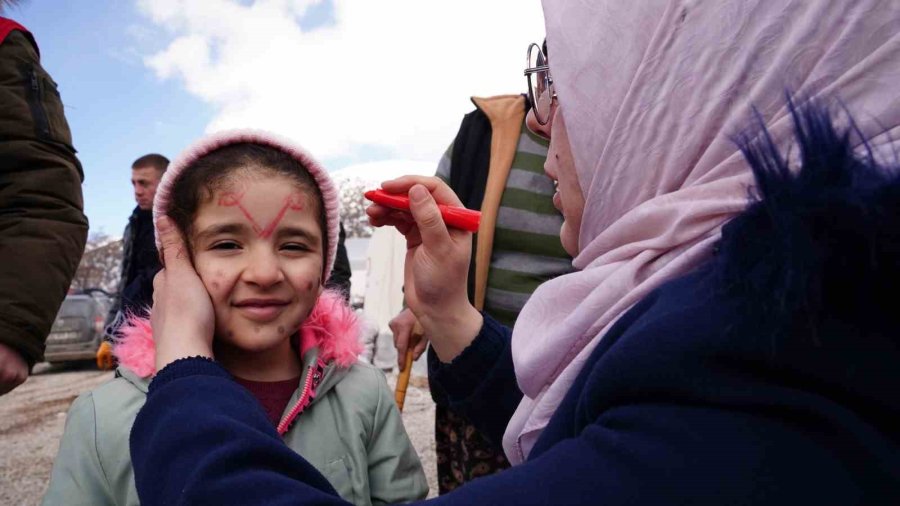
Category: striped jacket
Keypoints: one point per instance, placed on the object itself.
(496, 165)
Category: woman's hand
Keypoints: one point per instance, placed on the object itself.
(183, 319)
(437, 263)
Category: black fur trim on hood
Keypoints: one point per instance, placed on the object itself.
(821, 241)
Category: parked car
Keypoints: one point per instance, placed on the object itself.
(78, 329)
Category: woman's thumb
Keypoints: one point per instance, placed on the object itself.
(173, 248)
(427, 215)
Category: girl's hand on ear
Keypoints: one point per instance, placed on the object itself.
(183, 319)
(437, 263)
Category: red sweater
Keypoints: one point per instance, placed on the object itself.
(273, 395)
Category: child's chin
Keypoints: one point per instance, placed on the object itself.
(254, 339)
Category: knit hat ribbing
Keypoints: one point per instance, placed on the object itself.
(163, 199)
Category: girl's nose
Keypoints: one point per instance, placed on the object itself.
(263, 268)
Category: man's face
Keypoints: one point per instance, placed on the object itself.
(145, 180)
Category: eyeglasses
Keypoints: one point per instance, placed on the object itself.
(541, 91)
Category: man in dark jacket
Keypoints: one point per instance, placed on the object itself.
(140, 261)
(42, 224)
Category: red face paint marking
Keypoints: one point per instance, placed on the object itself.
(292, 202)
(309, 286)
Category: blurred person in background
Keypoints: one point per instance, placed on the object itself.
(140, 260)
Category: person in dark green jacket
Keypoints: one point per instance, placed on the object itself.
(43, 228)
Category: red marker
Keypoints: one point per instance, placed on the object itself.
(456, 217)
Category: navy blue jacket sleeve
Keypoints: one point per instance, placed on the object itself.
(480, 383)
(203, 439)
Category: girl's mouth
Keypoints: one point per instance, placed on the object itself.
(261, 310)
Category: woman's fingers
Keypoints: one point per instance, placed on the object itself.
(183, 318)
(174, 251)
(442, 193)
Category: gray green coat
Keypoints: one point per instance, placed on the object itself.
(350, 430)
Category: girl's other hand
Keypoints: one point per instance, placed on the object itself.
(183, 319)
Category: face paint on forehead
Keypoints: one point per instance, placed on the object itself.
(292, 202)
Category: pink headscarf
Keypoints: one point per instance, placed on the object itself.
(652, 93)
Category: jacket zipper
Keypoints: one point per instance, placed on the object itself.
(313, 377)
(41, 124)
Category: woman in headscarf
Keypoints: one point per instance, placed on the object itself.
(707, 351)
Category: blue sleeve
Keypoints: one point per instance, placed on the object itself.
(202, 439)
(480, 383)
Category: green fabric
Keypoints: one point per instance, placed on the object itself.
(536, 244)
(352, 433)
(525, 200)
(530, 162)
(513, 281)
(40, 195)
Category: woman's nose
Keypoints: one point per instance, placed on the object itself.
(263, 268)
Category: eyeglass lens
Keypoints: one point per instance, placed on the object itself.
(539, 84)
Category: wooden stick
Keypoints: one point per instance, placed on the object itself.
(403, 377)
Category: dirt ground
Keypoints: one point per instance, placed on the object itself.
(32, 418)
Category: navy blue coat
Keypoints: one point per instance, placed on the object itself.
(767, 376)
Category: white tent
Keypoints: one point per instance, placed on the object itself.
(384, 289)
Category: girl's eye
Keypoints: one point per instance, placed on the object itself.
(293, 246)
(226, 245)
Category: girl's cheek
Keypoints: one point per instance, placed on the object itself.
(213, 277)
(217, 282)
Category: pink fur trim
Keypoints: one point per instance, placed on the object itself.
(331, 326)
(134, 347)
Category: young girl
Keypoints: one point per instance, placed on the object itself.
(260, 219)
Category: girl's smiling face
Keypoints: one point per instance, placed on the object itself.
(257, 246)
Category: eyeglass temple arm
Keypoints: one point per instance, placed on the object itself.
(539, 68)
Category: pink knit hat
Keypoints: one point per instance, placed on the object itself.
(210, 143)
